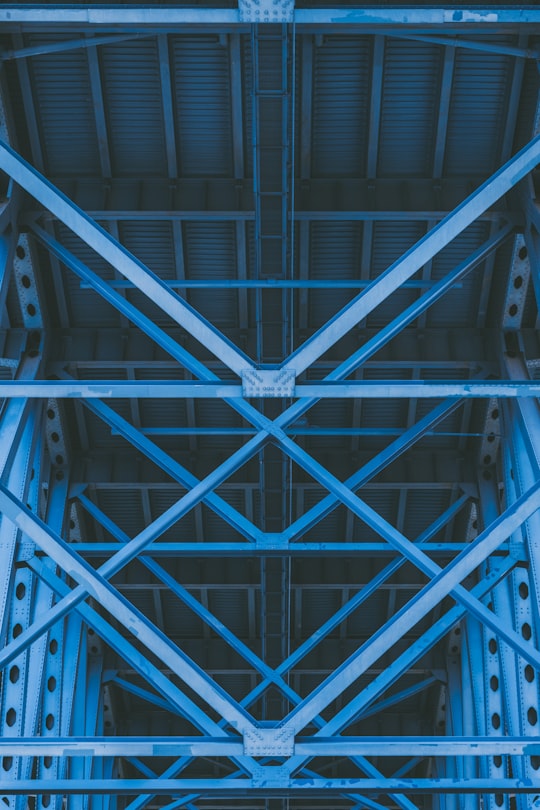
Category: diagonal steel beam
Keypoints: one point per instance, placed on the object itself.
(203, 613)
(299, 408)
(70, 45)
(372, 468)
(425, 249)
(121, 259)
(443, 583)
(389, 676)
(418, 307)
(109, 294)
(175, 700)
(310, 518)
(144, 539)
(135, 547)
(156, 641)
(173, 468)
(270, 675)
(220, 629)
(355, 601)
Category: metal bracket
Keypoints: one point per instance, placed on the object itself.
(25, 551)
(270, 11)
(268, 383)
(270, 540)
(269, 742)
(268, 776)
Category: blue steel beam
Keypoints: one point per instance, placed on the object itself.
(319, 746)
(138, 691)
(137, 545)
(355, 708)
(391, 674)
(293, 413)
(156, 641)
(269, 783)
(149, 282)
(425, 249)
(233, 517)
(405, 694)
(345, 611)
(444, 582)
(219, 628)
(8, 54)
(106, 291)
(354, 389)
(194, 605)
(120, 258)
(21, 696)
(460, 17)
(372, 468)
(272, 548)
(472, 44)
(294, 431)
(356, 601)
(177, 701)
(265, 283)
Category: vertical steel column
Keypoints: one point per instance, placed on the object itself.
(521, 682)
(485, 654)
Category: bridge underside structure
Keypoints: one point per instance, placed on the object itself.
(270, 433)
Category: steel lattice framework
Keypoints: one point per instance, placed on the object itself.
(269, 428)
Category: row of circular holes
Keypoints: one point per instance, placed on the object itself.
(532, 715)
(11, 716)
(94, 649)
(518, 282)
(487, 459)
(20, 592)
(25, 281)
(55, 437)
(491, 438)
(14, 674)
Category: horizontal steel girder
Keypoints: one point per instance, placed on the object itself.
(223, 199)
(457, 17)
(270, 782)
(355, 389)
(304, 746)
(271, 547)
